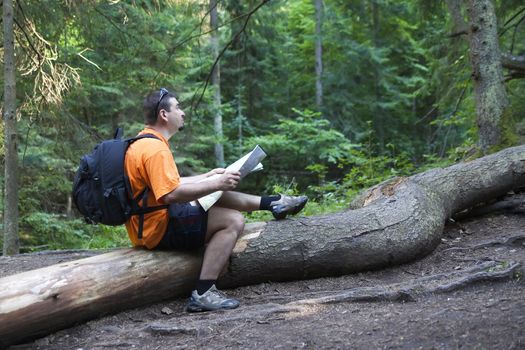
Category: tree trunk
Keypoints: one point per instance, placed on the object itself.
(485, 57)
(378, 115)
(459, 26)
(516, 64)
(11, 239)
(396, 222)
(216, 83)
(240, 117)
(318, 54)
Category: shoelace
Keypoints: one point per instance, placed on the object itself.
(219, 294)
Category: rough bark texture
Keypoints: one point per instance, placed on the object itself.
(397, 221)
(11, 240)
(516, 64)
(489, 88)
(35, 303)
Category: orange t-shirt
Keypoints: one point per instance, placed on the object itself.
(149, 163)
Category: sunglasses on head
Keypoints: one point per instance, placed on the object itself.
(162, 92)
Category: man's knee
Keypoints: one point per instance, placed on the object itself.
(236, 221)
(232, 225)
(226, 219)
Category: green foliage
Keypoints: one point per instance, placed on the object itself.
(40, 230)
(397, 96)
(309, 145)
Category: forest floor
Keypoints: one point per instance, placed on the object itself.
(462, 296)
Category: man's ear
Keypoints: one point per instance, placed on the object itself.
(162, 115)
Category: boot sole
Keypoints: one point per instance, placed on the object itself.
(284, 213)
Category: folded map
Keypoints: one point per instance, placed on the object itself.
(248, 163)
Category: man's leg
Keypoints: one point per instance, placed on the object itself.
(279, 205)
(224, 227)
(239, 201)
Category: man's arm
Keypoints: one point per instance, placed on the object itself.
(198, 178)
(190, 191)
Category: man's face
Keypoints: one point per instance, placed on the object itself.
(175, 116)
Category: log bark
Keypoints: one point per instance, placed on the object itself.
(38, 302)
(395, 222)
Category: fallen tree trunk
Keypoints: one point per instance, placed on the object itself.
(395, 222)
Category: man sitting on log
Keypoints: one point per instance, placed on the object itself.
(185, 225)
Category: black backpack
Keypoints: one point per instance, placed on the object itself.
(101, 189)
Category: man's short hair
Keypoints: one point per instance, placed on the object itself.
(154, 102)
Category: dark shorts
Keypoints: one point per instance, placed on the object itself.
(186, 228)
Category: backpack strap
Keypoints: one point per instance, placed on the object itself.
(146, 210)
(136, 208)
(118, 134)
(141, 215)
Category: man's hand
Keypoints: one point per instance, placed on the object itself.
(228, 180)
(189, 191)
(215, 171)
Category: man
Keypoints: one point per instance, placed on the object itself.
(151, 168)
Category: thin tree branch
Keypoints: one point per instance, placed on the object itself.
(456, 107)
(514, 16)
(514, 34)
(427, 115)
(237, 35)
(87, 128)
(454, 111)
(111, 22)
(19, 3)
(510, 20)
(456, 34)
(28, 40)
(171, 51)
(458, 102)
(515, 63)
(514, 75)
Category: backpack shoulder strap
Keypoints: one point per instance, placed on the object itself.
(139, 137)
(118, 134)
(136, 208)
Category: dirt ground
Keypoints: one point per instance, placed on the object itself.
(326, 314)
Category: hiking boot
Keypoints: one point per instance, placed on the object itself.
(287, 205)
(213, 299)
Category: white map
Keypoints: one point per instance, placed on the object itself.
(245, 165)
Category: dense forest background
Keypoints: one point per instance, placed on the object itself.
(341, 94)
